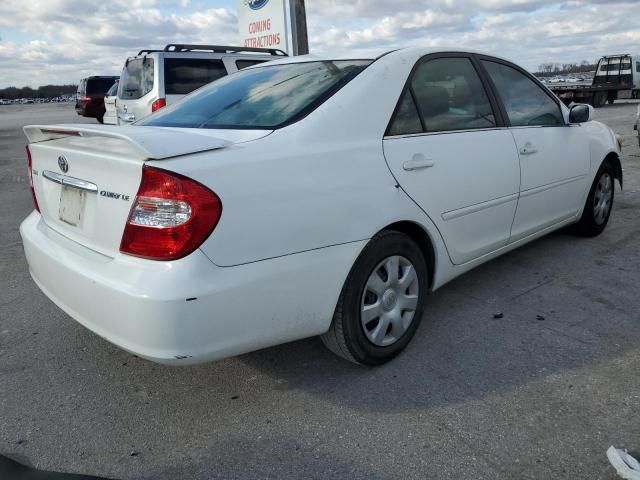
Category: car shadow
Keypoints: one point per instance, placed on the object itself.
(558, 303)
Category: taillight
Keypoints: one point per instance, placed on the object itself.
(171, 216)
(30, 171)
(158, 104)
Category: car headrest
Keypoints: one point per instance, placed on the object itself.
(433, 100)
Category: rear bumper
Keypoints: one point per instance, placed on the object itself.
(188, 311)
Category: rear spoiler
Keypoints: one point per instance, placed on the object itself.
(149, 143)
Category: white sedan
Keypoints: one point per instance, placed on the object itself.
(307, 196)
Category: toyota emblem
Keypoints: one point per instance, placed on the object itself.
(62, 163)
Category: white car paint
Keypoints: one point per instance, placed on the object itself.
(110, 114)
(299, 205)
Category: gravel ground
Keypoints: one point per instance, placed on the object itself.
(539, 393)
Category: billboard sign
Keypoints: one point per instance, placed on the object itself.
(262, 24)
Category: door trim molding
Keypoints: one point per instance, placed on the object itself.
(549, 186)
(461, 212)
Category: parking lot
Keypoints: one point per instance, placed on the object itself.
(540, 393)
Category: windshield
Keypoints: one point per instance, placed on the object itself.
(136, 79)
(260, 98)
(113, 90)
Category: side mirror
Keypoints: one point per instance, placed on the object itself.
(580, 113)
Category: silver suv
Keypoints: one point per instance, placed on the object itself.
(155, 78)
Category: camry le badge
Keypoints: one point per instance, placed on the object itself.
(62, 163)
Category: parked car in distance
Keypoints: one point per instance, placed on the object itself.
(110, 114)
(156, 78)
(314, 195)
(90, 96)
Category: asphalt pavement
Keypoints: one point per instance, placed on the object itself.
(540, 393)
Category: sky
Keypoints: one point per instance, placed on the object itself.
(60, 41)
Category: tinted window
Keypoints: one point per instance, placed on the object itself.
(638, 67)
(247, 63)
(262, 98)
(184, 75)
(406, 119)
(526, 103)
(450, 96)
(136, 79)
(99, 85)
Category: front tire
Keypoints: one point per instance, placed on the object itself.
(381, 303)
(597, 210)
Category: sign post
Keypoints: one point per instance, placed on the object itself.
(299, 27)
(262, 24)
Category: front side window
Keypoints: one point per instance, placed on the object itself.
(265, 97)
(526, 103)
(136, 79)
(184, 75)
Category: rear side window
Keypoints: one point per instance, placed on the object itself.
(406, 120)
(184, 75)
(447, 95)
(136, 79)
(99, 85)
(82, 86)
(247, 63)
(526, 103)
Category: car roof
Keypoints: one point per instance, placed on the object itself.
(374, 55)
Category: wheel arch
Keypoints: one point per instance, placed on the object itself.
(614, 160)
(422, 238)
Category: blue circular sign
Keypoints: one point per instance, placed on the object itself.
(257, 4)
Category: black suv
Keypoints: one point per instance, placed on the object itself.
(90, 97)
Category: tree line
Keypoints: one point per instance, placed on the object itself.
(45, 91)
(550, 69)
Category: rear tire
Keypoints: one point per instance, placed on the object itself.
(381, 303)
(599, 205)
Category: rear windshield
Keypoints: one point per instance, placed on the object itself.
(136, 79)
(99, 85)
(265, 97)
(184, 75)
(113, 90)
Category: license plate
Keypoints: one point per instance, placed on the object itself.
(71, 206)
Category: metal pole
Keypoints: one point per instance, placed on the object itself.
(299, 37)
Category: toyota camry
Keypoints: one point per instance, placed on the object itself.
(315, 195)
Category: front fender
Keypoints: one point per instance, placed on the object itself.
(603, 144)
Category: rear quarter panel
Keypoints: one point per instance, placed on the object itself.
(320, 182)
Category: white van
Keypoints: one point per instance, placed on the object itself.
(156, 78)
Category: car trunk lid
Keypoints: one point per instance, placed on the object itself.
(86, 177)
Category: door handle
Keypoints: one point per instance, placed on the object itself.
(528, 149)
(418, 163)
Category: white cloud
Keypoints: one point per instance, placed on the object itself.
(64, 40)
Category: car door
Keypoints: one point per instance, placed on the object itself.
(446, 148)
(554, 157)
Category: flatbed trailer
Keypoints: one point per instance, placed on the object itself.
(617, 77)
